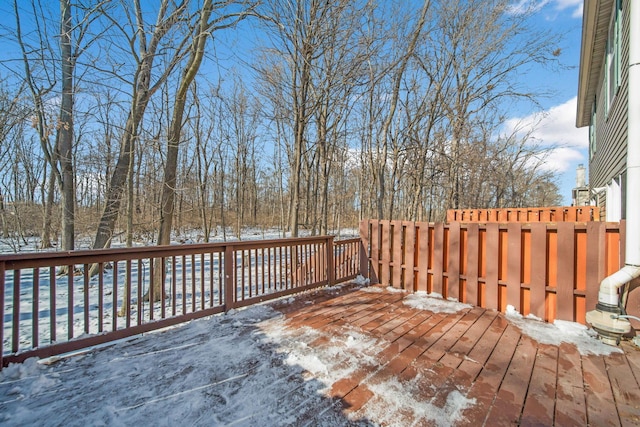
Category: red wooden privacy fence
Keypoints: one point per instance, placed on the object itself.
(552, 214)
(551, 270)
(49, 304)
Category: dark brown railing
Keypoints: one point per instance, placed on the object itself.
(50, 304)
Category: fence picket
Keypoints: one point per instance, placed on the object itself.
(595, 261)
(423, 255)
(376, 243)
(438, 259)
(566, 269)
(492, 266)
(514, 265)
(385, 273)
(537, 288)
(409, 255)
(397, 251)
(472, 273)
(453, 261)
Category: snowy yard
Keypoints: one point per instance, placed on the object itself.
(246, 368)
(236, 369)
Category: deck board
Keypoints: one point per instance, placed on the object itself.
(625, 389)
(539, 406)
(480, 354)
(510, 398)
(601, 407)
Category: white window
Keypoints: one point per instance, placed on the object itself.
(614, 201)
(612, 70)
(592, 131)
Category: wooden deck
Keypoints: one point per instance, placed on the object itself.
(512, 379)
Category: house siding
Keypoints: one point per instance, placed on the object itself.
(609, 160)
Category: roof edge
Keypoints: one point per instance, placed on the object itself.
(589, 17)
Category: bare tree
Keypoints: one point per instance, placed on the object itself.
(40, 85)
(12, 117)
(487, 45)
(143, 87)
(204, 28)
(41, 56)
(297, 28)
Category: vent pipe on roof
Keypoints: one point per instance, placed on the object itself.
(608, 317)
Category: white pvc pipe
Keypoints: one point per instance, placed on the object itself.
(633, 139)
(609, 287)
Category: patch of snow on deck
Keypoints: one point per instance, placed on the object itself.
(434, 302)
(560, 331)
(380, 289)
(394, 400)
(338, 356)
(360, 280)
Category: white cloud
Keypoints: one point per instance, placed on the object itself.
(565, 4)
(554, 128)
(521, 7)
(563, 159)
(577, 13)
(576, 5)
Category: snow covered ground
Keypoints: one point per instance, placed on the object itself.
(245, 368)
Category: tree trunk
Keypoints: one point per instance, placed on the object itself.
(173, 144)
(118, 180)
(45, 239)
(64, 138)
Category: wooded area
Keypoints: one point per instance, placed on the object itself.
(143, 119)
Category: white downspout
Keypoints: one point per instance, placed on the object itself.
(631, 270)
(608, 296)
(633, 140)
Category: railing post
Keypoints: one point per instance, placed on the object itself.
(331, 271)
(229, 277)
(364, 249)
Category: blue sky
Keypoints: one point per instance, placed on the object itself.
(556, 123)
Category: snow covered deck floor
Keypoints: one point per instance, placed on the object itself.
(343, 356)
(477, 359)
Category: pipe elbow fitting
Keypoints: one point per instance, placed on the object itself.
(608, 293)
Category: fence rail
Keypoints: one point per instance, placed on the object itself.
(552, 214)
(51, 304)
(552, 271)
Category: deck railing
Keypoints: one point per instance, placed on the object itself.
(546, 214)
(51, 304)
(550, 270)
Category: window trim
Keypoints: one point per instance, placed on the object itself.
(613, 56)
(592, 130)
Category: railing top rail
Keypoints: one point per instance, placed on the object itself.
(347, 241)
(44, 259)
(551, 225)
